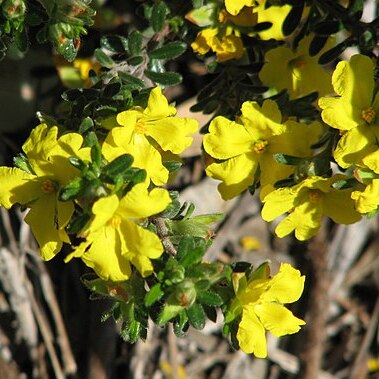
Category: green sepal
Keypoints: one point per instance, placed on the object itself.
(169, 311)
(22, 162)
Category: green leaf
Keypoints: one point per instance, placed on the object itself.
(85, 125)
(96, 156)
(169, 51)
(111, 89)
(196, 316)
(316, 45)
(288, 159)
(209, 298)
(114, 43)
(326, 28)
(191, 250)
(78, 223)
(131, 81)
(21, 40)
(135, 61)
(158, 15)
(155, 294)
(103, 58)
(181, 324)
(172, 166)
(292, 20)
(333, 53)
(165, 78)
(71, 190)
(67, 49)
(135, 42)
(118, 166)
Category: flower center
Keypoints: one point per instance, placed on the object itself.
(314, 196)
(48, 186)
(260, 146)
(368, 115)
(140, 127)
(115, 221)
(298, 62)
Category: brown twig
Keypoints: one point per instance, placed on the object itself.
(319, 301)
(163, 234)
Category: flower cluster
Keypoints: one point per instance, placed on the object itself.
(225, 26)
(61, 182)
(258, 146)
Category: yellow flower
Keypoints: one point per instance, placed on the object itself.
(296, 71)
(114, 240)
(144, 132)
(306, 203)
(241, 147)
(354, 113)
(228, 46)
(261, 303)
(47, 156)
(367, 201)
(235, 6)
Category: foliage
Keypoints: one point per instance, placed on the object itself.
(96, 172)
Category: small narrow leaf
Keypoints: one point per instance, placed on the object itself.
(165, 78)
(155, 294)
(135, 42)
(196, 316)
(158, 15)
(103, 58)
(169, 51)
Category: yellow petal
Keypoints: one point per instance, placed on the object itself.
(139, 203)
(237, 174)
(103, 210)
(354, 145)
(171, 133)
(157, 105)
(251, 334)
(338, 205)
(368, 200)
(286, 286)
(17, 186)
(372, 161)
(354, 81)
(235, 6)
(104, 255)
(305, 220)
(226, 139)
(42, 220)
(139, 245)
(262, 122)
(278, 202)
(278, 319)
